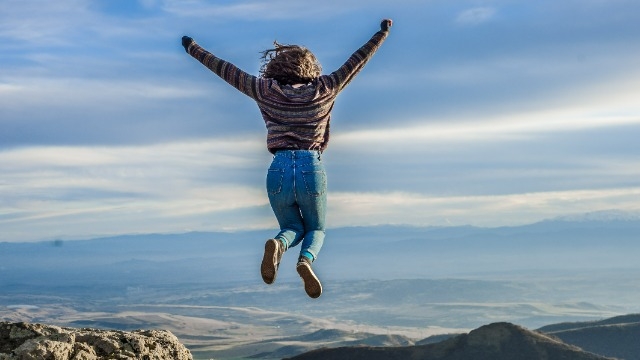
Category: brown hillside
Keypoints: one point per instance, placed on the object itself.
(499, 341)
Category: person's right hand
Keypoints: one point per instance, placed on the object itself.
(386, 24)
(186, 41)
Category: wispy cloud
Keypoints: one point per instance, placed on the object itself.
(488, 210)
(251, 10)
(617, 108)
(89, 188)
(218, 185)
(43, 23)
(475, 16)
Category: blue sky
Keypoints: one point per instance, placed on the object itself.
(488, 113)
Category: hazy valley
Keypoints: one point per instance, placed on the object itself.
(383, 285)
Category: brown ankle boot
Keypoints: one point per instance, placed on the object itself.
(273, 250)
(312, 285)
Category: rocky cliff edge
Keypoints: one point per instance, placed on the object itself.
(23, 341)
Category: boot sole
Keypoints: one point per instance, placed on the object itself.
(312, 285)
(269, 267)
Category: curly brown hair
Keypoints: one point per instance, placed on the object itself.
(289, 64)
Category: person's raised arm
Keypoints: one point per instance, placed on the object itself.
(358, 59)
(230, 73)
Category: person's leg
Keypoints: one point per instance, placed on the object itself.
(280, 185)
(311, 194)
(282, 198)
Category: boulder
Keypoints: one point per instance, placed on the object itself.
(24, 341)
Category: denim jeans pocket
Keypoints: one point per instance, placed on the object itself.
(274, 181)
(315, 182)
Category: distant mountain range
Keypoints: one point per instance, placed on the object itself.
(615, 337)
(497, 341)
(593, 241)
(618, 337)
(601, 216)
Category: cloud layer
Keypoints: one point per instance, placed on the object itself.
(489, 115)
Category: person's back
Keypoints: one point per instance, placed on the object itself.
(295, 101)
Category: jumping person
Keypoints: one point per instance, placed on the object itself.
(295, 102)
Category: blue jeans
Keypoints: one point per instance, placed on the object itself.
(297, 188)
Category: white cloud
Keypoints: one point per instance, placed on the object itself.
(82, 191)
(148, 4)
(90, 93)
(247, 9)
(607, 104)
(485, 210)
(475, 16)
(506, 128)
(271, 10)
(43, 22)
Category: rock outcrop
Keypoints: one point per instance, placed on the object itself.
(24, 341)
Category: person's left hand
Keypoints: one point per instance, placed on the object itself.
(186, 41)
(386, 24)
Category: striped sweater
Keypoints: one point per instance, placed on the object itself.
(296, 118)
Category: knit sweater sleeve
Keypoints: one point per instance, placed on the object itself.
(246, 83)
(343, 76)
